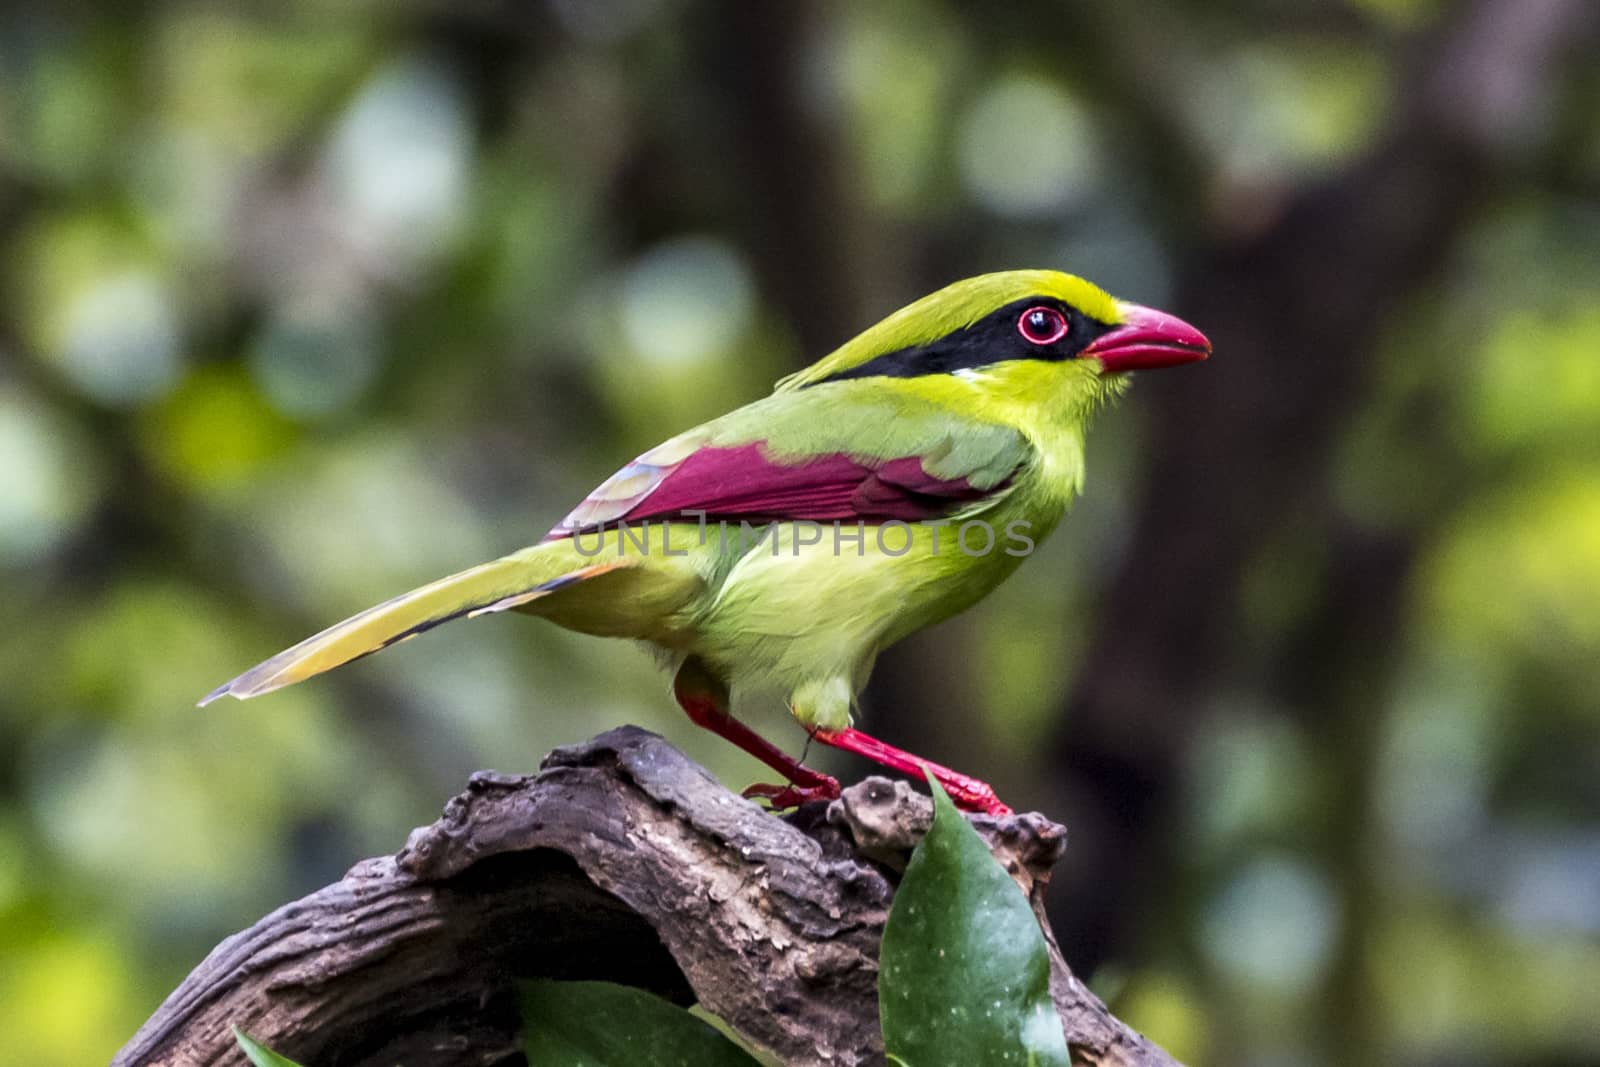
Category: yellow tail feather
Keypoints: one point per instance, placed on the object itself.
(511, 582)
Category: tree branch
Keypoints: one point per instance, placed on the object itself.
(620, 860)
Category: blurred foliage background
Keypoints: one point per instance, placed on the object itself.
(306, 304)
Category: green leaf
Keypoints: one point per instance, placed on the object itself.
(600, 1024)
(964, 974)
(259, 1054)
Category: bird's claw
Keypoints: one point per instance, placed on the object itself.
(792, 795)
(977, 796)
(970, 794)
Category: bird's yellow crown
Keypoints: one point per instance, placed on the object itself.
(952, 308)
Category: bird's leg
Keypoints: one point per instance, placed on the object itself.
(966, 791)
(705, 701)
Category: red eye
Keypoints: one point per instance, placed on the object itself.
(1042, 326)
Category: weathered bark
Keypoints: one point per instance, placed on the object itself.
(621, 860)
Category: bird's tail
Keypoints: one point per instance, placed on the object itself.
(513, 582)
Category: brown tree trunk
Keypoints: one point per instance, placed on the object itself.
(621, 860)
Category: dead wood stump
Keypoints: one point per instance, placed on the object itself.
(620, 860)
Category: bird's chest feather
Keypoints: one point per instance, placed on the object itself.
(812, 602)
(836, 594)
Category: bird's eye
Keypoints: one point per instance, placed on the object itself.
(1042, 326)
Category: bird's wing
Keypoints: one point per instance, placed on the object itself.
(844, 451)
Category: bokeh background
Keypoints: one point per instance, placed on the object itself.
(305, 304)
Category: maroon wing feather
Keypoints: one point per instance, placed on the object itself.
(745, 483)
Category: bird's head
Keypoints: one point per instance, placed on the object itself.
(1040, 335)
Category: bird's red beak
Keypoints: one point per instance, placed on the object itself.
(1148, 339)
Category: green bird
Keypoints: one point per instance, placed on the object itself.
(779, 548)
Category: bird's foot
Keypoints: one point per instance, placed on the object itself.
(969, 794)
(794, 794)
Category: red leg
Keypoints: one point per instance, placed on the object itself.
(702, 704)
(967, 792)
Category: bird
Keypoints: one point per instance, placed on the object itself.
(779, 548)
